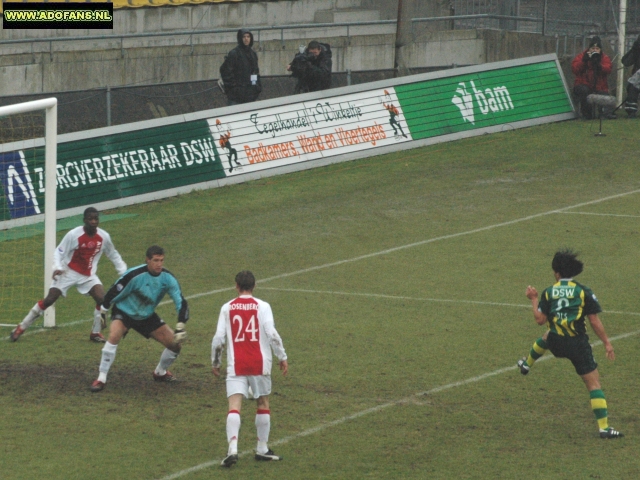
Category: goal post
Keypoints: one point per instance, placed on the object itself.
(13, 184)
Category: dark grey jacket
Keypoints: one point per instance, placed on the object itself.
(313, 73)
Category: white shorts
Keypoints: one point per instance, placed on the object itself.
(71, 278)
(257, 385)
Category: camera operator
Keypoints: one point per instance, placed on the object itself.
(239, 73)
(632, 59)
(591, 68)
(312, 68)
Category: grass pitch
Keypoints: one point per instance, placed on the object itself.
(397, 284)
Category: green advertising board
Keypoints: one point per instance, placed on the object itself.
(467, 102)
(155, 159)
(105, 168)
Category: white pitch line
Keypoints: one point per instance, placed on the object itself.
(374, 295)
(419, 299)
(376, 409)
(417, 244)
(411, 245)
(394, 297)
(45, 329)
(602, 214)
(375, 254)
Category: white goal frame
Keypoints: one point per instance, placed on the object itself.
(50, 105)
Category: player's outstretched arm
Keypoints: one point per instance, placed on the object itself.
(532, 294)
(113, 255)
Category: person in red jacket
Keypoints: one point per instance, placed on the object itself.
(591, 69)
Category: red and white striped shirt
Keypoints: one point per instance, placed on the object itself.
(81, 252)
(246, 325)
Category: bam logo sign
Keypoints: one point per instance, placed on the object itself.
(18, 188)
(494, 100)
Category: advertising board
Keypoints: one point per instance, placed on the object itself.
(155, 159)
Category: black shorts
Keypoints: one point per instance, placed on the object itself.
(143, 327)
(576, 349)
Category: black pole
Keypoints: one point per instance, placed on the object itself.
(600, 134)
(399, 32)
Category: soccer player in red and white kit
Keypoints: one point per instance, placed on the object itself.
(75, 262)
(246, 324)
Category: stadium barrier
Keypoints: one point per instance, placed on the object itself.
(144, 161)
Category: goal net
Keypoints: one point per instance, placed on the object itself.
(28, 134)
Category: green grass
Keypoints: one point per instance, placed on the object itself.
(391, 279)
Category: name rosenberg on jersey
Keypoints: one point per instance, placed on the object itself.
(243, 306)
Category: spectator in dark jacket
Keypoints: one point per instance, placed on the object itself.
(312, 68)
(239, 73)
(632, 59)
(591, 69)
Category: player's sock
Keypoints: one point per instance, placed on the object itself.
(233, 430)
(35, 312)
(538, 349)
(263, 426)
(108, 356)
(599, 407)
(97, 320)
(166, 359)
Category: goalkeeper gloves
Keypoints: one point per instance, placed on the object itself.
(180, 335)
(103, 317)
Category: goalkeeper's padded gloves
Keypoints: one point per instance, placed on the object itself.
(180, 334)
(103, 317)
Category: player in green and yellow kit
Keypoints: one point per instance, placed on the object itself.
(564, 306)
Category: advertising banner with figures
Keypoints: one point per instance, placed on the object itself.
(305, 131)
(155, 159)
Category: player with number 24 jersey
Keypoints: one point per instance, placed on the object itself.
(246, 324)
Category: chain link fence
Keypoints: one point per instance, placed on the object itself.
(563, 18)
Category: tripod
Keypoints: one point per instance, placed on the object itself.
(600, 110)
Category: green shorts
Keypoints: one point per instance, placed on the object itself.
(577, 349)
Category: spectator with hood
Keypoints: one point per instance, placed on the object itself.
(312, 68)
(632, 59)
(239, 73)
(591, 69)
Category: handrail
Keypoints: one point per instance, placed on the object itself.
(501, 17)
(197, 32)
(258, 29)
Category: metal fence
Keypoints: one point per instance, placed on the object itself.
(550, 17)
